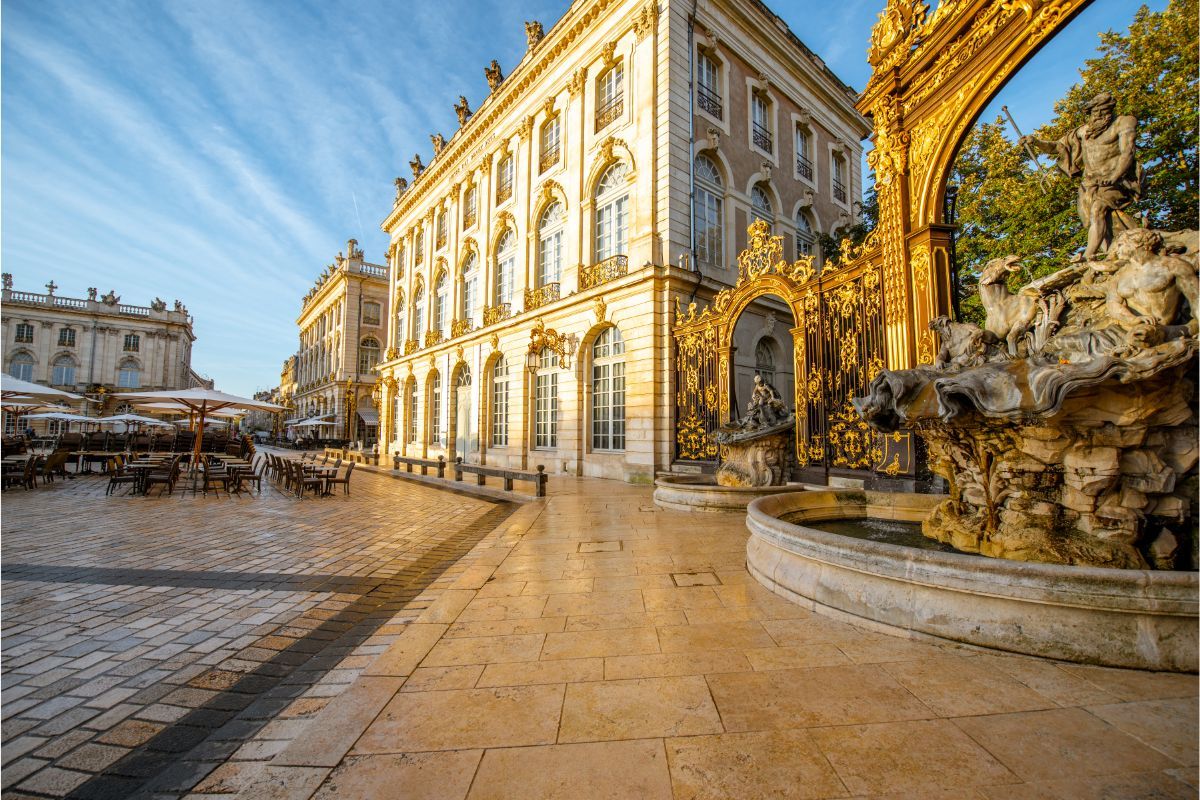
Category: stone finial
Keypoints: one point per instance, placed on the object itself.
(463, 109)
(534, 33)
(439, 143)
(50, 287)
(494, 75)
(417, 166)
(6, 277)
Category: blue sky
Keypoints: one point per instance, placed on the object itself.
(221, 152)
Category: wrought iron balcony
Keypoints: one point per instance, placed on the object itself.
(709, 101)
(411, 346)
(460, 326)
(433, 337)
(549, 159)
(503, 192)
(763, 139)
(468, 219)
(608, 112)
(607, 270)
(804, 168)
(496, 313)
(839, 191)
(441, 240)
(536, 298)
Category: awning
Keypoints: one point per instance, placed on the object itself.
(369, 416)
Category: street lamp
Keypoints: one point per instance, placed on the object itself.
(349, 410)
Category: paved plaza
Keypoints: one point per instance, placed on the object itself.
(406, 641)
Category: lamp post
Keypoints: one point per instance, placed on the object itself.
(349, 410)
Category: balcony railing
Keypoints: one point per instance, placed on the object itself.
(709, 101)
(73, 302)
(374, 270)
(536, 298)
(804, 168)
(839, 191)
(607, 270)
(549, 159)
(503, 192)
(608, 112)
(496, 313)
(433, 337)
(762, 138)
(468, 219)
(459, 327)
(411, 346)
(370, 320)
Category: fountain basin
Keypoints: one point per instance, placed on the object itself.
(701, 493)
(1144, 619)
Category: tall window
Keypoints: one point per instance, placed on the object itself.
(838, 172)
(441, 302)
(368, 354)
(804, 167)
(550, 244)
(21, 366)
(764, 360)
(411, 402)
(504, 179)
(418, 313)
(129, 374)
(804, 235)
(760, 122)
(470, 206)
(612, 212)
(398, 417)
(506, 265)
(610, 96)
(66, 337)
(470, 293)
(370, 313)
(545, 400)
(441, 229)
(435, 409)
(708, 85)
(550, 144)
(500, 403)
(419, 245)
(401, 330)
(760, 206)
(24, 333)
(608, 391)
(709, 221)
(63, 373)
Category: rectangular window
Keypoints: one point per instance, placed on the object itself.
(435, 411)
(612, 227)
(471, 297)
(66, 338)
(804, 167)
(504, 180)
(608, 406)
(550, 258)
(500, 405)
(708, 227)
(761, 123)
(370, 313)
(550, 145)
(132, 342)
(839, 181)
(610, 97)
(24, 333)
(129, 378)
(546, 410)
(419, 246)
(412, 415)
(441, 230)
(64, 375)
(470, 207)
(708, 86)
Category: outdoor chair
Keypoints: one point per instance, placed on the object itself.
(20, 475)
(302, 482)
(117, 475)
(254, 477)
(56, 464)
(167, 477)
(344, 480)
(215, 473)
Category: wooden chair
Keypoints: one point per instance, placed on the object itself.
(215, 473)
(167, 477)
(254, 477)
(118, 476)
(56, 464)
(302, 482)
(344, 480)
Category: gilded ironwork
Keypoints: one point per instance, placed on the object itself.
(610, 269)
(411, 346)
(458, 327)
(496, 313)
(536, 298)
(561, 344)
(433, 337)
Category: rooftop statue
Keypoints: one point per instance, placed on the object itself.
(439, 143)
(493, 74)
(463, 109)
(417, 166)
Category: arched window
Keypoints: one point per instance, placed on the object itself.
(401, 319)
(608, 391)
(129, 374)
(550, 144)
(500, 403)
(368, 354)
(612, 212)
(435, 409)
(418, 313)
(709, 212)
(550, 244)
(610, 96)
(764, 360)
(804, 235)
(441, 303)
(21, 366)
(411, 402)
(504, 179)
(470, 288)
(63, 372)
(506, 265)
(545, 401)
(760, 206)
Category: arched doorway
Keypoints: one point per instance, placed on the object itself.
(463, 437)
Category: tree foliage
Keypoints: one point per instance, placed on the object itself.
(1151, 70)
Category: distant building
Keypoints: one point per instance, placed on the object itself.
(343, 325)
(96, 346)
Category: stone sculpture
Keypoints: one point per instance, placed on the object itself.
(110, 299)
(439, 143)
(401, 187)
(534, 33)
(417, 166)
(754, 448)
(493, 74)
(463, 110)
(158, 304)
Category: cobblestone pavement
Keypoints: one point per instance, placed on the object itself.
(147, 641)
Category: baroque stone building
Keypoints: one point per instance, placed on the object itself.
(98, 345)
(535, 262)
(343, 325)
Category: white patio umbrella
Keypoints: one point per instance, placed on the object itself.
(61, 416)
(202, 402)
(11, 387)
(132, 419)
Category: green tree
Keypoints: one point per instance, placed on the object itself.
(1151, 69)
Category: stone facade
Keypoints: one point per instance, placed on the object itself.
(535, 261)
(96, 346)
(343, 327)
